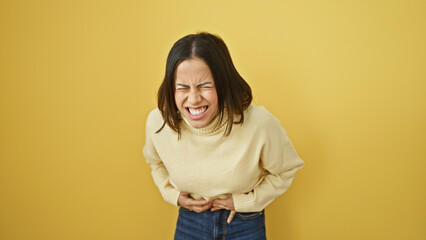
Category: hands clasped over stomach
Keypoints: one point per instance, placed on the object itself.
(203, 205)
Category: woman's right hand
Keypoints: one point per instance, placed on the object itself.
(193, 205)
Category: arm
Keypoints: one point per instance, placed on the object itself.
(158, 170)
(280, 161)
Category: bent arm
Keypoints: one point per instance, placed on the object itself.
(280, 161)
(159, 172)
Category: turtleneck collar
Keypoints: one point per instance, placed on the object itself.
(211, 129)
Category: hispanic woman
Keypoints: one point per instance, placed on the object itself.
(213, 153)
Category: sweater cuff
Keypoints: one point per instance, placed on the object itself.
(244, 202)
(172, 196)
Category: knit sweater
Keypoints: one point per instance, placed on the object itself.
(256, 163)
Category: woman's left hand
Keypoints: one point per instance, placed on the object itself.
(227, 204)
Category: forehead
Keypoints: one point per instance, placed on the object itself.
(193, 70)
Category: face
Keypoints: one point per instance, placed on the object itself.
(195, 93)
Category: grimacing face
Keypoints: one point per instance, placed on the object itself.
(195, 92)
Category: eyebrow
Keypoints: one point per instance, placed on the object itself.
(204, 83)
(199, 85)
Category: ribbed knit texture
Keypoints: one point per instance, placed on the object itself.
(214, 127)
(256, 162)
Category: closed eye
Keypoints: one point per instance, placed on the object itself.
(180, 86)
(206, 85)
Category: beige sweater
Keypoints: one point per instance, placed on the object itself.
(256, 162)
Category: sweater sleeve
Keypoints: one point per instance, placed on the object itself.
(280, 162)
(158, 170)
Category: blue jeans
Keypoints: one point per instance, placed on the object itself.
(213, 226)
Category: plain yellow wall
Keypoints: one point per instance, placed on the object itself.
(347, 79)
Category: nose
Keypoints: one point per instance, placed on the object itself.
(194, 97)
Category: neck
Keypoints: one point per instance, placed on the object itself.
(213, 128)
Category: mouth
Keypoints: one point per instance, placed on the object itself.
(197, 113)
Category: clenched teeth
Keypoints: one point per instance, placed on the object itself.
(197, 111)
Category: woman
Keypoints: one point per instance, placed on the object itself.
(219, 158)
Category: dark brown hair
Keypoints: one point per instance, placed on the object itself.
(233, 92)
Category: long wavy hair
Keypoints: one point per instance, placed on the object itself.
(233, 92)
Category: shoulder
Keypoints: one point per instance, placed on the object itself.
(260, 115)
(263, 122)
(154, 119)
(155, 114)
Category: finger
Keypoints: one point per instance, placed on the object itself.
(201, 208)
(198, 202)
(207, 206)
(214, 209)
(225, 202)
(220, 206)
(216, 203)
(231, 216)
(228, 203)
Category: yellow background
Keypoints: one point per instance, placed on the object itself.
(347, 79)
